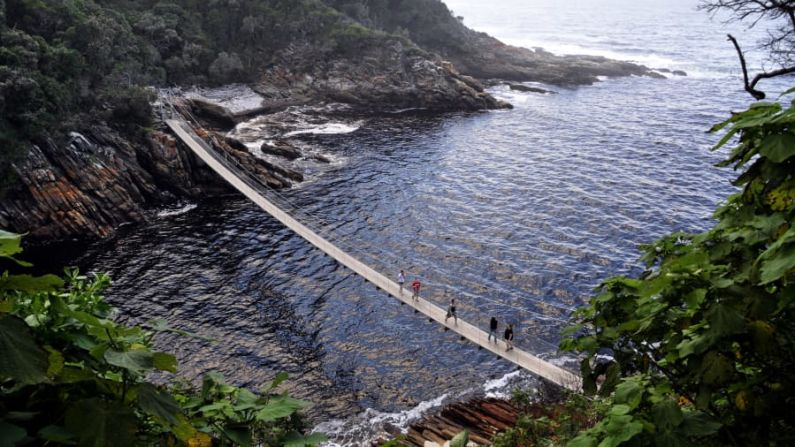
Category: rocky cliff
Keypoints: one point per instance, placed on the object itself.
(409, 54)
(432, 26)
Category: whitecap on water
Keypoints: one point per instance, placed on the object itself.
(327, 129)
(371, 425)
(182, 209)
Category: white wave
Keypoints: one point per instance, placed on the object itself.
(366, 427)
(326, 129)
(499, 388)
(361, 430)
(650, 59)
(237, 98)
(176, 211)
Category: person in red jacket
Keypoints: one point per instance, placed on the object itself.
(415, 286)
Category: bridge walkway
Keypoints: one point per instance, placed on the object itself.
(235, 176)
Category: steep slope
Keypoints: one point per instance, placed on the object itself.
(431, 25)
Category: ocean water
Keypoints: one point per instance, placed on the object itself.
(516, 213)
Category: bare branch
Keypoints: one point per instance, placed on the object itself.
(780, 42)
(755, 93)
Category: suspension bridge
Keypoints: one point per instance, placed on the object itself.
(241, 180)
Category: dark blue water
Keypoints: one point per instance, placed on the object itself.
(517, 213)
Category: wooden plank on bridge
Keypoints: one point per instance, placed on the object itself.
(472, 333)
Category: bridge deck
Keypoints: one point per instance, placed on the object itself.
(472, 333)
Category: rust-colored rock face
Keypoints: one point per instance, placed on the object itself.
(97, 182)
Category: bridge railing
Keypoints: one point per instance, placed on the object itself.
(315, 223)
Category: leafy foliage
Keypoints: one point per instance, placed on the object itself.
(71, 375)
(67, 64)
(704, 339)
(549, 420)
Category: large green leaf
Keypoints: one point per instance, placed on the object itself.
(57, 434)
(280, 407)
(22, 359)
(10, 434)
(698, 424)
(716, 369)
(135, 360)
(164, 362)
(295, 439)
(667, 415)
(240, 435)
(778, 147)
(10, 245)
(29, 283)
(778, 264)
(620, 429)
(629, 392)
(158, 404)
(98, 423)
(724, 320)
(460, 440)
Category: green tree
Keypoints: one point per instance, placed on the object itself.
(705, 339)
(71, 375)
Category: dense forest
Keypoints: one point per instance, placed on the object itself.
(64, 63)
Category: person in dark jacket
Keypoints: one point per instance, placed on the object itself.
(493, 329)
(508, 337)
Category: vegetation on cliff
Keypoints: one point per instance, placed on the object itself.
(66, 64)
(704, 339)
(70, 375)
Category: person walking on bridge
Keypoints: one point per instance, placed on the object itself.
(509, 337)
(415, 287)
(401, 280)
(451, 312)
(493, 329)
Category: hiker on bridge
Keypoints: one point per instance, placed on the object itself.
(509, 337)
(415, 287)
(401, 280)
(493, 329)
(451, 312)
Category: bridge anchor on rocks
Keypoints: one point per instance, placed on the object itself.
(236, 177)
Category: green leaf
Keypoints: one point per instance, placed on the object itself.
(10, 434)
(240, 435)
(724, 320)
(158, 404)
(31, 284)
(778, 147)
(281, 377)
(137, 360)
(97, 423)
(295, 439)
(22, 359)
(778, 265)
(164, 362)
(629, 392)
(670, 439)
(460, 440)
(55, 360)
(716, 369)
(699, 424)
(6, 306)
(667, 415)
(10, 244)
(57, 434)
(280, 407)
(619, 430)
(583, 440)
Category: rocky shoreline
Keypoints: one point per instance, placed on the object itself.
(483, 418)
